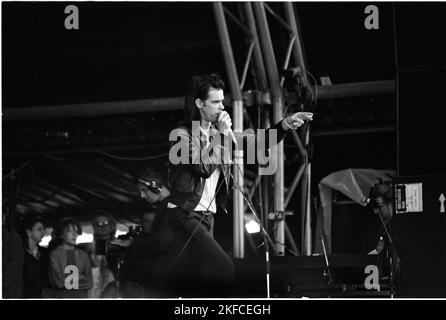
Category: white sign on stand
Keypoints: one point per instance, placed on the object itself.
(414, 197)
(409, 197)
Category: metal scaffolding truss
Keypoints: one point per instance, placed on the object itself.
(260, 59)
(261, 56)
(260, 48)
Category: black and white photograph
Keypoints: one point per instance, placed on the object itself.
(222, 152)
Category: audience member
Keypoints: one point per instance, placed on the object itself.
(102, 255)
(12, 259)
(153, 261)
(70, 269)
(35, 271)
(147, 219)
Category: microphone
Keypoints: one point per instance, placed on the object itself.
(231, 133)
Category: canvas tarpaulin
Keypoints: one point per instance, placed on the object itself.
(355, 184)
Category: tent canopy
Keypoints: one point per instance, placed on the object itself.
(353, 183)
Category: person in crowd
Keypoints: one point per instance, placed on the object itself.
(147, 219)
(104, 225)
(35, 271)
(12, 257)
(70, 270)
(201, 183)
(104, 256)
(149, 258)
(108, 255)
(381, 201)
(383, 239)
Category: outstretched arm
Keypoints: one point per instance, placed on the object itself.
(256, 146)
(296, 120)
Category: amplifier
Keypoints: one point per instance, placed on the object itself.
(419, 224)
(307, 276)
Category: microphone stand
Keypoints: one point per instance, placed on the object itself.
(327, 268)
(266, 238)
(393, 251)
(266, 242)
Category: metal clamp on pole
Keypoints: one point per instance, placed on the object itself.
(276, 216)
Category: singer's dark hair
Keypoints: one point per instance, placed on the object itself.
(197, 88)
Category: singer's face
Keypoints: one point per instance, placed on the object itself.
(212, 106)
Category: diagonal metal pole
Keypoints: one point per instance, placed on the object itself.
(298, 54)
(308, 232)
(294, 184)
(262, 82)
(299, 59)
(277, 99)
(294, 250)
(259, 66)
(237, 116)
(303, 202)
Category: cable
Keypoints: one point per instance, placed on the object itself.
(266, 237)
(14, 171)
(196, 228)
(53, 158)
(312, 94)
(395, 38)
(193, 232)
(315, 86)
(113, 156)
(395, 261)
(131, 158)
(251, 207)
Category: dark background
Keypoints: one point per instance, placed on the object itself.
(146, 50)
(129, 51)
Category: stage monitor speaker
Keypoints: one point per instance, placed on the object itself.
(293, 277)
(419, 230)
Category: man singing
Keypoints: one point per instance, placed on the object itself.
(199, 180)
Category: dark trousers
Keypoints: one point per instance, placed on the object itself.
(180, 258)
(211, 269)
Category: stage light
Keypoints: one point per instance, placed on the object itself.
(45, 241)
(251, 224)
(46, 237)
(119, 233)
(84, 238)
(252, 227)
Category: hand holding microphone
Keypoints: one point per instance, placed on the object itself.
(224, 124)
